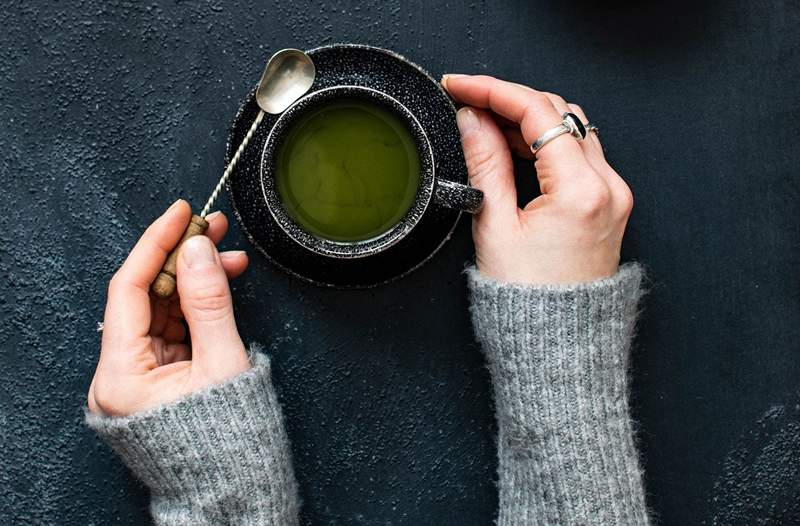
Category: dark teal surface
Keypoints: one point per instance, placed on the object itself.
(111, 110)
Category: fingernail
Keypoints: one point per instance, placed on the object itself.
(173, 205)
(231, 254)
(212, 215)
(467, 120)
(448, 76)
(198, 252)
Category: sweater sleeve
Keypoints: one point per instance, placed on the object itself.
(217, 456)
(558, 357)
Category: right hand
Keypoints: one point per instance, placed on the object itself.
(572, 232)
(144, 359)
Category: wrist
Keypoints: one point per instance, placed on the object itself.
(550, 273)
(212, 447)
(538, 336)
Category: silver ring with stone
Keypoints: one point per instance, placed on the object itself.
(570, 124)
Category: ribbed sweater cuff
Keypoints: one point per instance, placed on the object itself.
(216, 456)
(558, 356)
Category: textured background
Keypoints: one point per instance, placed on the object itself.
(111, 110)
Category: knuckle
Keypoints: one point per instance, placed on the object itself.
(591, 201)
(624, 196)
(538, 100)
(480, 162)
(537, 106)
(532, 110)
(557, 99)
(209, 302)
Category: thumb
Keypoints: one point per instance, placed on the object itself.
(208, 309)
(489, 163)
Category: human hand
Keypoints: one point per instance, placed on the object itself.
(573, 231)
(144, 361)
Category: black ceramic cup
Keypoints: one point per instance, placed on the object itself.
(431, 188)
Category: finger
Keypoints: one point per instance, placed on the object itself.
(517, 143)
(489, 162)
(174, 331)
(593, 154)
(217, 226)
(177, 352)
(160, 314)
(505, 123)
(591, 148)
(147, 257)
(207, 307)
(622, 198)
(128, 311)
(591, 144)
(533, 111)
(234, 262)
(167, 353)
(558, 102)
(175, 308)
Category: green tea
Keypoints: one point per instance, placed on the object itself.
(348, 171)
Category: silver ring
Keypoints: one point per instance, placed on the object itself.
(570, 124)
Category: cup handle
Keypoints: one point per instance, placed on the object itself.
(458, 196)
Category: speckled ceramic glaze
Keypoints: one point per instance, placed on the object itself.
(413, 88)
(452, 195)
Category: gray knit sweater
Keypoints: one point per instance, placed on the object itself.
(558, 358)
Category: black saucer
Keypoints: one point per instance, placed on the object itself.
(391, 73)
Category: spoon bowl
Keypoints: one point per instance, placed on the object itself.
(288, 75)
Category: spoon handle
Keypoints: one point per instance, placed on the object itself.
(166, 281)
(232, 164)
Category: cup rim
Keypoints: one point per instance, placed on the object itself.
(348, 249)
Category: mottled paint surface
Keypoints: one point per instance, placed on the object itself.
(760, 483)
(111, 110)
